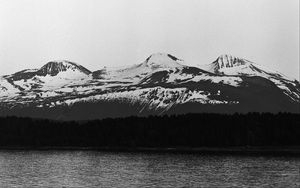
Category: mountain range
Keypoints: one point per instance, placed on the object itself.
(162, 84)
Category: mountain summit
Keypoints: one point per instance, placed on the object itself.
(224, 63)
(228, 61)
(162, 60)
(54, 67)
(231, 65)
(155, 62)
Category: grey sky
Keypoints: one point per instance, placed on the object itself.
(97, 33)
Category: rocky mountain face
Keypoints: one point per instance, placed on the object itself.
(162, 84)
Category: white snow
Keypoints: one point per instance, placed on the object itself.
(229, 80)
(173, 77)
(6, 89)
(62, 79)
(25, 84)
(30, 70)
(163, 97)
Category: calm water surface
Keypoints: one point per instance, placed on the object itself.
(105, 169)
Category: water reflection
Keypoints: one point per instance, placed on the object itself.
(104, 169)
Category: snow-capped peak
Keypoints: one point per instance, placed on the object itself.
(231, 65)
(155, 62)
(162, 60)
(227, 61)
(52, 68)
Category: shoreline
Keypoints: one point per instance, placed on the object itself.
(295, 151)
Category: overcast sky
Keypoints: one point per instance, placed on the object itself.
(97, 33)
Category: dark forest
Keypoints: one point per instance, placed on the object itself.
(191, 131)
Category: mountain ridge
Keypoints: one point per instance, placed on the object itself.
(161, 84)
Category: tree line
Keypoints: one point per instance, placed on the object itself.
(190, 130)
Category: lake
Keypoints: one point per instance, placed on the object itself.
(125, 169)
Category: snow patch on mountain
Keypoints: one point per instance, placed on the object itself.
(179, 76)
(7, 89)
(229, 80)
(176, 77)
(29, 70)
